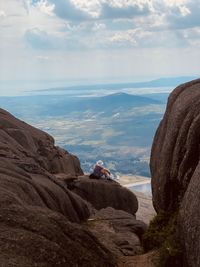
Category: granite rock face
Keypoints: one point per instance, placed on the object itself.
(175, 166)
(175, 150)
(28, 160)
(118, 230)
(32, 149)
(39, 215)
(106, 193)
(46, 205)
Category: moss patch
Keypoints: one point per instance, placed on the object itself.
(161, 235)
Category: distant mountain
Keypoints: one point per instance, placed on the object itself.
(162, 82)
(116, 101)
(63, 104)
(108, 104)
(161, 97)
(123, 98)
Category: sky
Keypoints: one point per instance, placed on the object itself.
(61, 42)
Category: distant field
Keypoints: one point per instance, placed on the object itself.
(117, 128)
(133, 179)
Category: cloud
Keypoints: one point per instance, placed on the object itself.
(116, 23)
(192, 36)
(122, 9)
(186, 16)
(83, 10)
(104, 24)
(38, 39)
(66, 9)
(42, 58)
(45, 7)
(122, 37)
(98, 26)
(59, 41)
(2, 14)
(139, 38)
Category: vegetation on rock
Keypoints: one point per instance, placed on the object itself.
(161, 235)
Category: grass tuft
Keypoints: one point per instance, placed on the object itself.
(161, 235)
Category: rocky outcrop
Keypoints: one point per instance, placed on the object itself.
(118, 230)
(37, 210)
(35, 236)
(32, 149)
(47, 205)
(105, 193)
(28, 160)
(175, 167)
(175, 151)
(149, 259)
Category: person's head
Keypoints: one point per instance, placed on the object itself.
(99, 163)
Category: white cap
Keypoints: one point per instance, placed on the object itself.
(99, 162)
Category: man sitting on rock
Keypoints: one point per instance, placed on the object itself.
(99, 171)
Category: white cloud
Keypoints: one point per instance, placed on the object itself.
(184, 11)
(38, 39)
(98, 26)
(91, 7)
(122, 38)
(69, 10)
(58, 38)
(45, 7)
(2, 14)
(40, 57)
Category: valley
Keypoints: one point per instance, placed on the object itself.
(117, 128)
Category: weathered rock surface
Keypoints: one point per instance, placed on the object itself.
(118, 230)
(34, 236)
(149, 259)
(45, 202)
(26, 173)
(175, 166)
(32, 149)
(175, 151)
(36, 207)
(105, 193)
(188, 221)
(146, 211)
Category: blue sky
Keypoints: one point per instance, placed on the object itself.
(49, 41)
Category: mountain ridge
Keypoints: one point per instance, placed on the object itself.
(161, 82)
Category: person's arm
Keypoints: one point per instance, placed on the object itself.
(107, 171)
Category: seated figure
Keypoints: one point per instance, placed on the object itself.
(99, 171)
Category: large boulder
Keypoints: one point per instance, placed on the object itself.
(28, 162)
(188, 221)
(175, 150)
(105, 193)
(39, 215)
(33, 149)
(175, 167)
(34, 236)
(118, 230)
